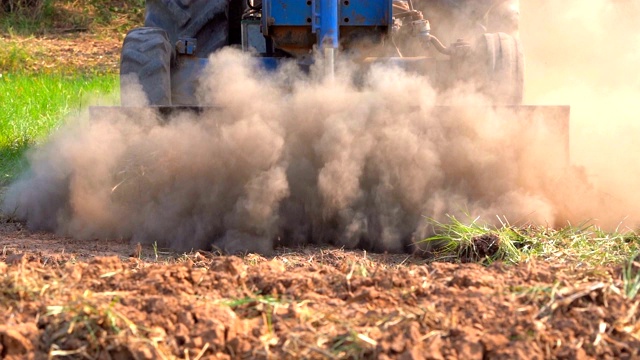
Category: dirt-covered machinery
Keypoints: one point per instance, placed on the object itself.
(462, 48)
(166, 55)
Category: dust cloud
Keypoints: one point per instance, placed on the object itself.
(284, 159)
(586, 54)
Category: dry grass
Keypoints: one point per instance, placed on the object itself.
(43, 17)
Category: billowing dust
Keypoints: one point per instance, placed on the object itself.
(585, 54)
(288, 159)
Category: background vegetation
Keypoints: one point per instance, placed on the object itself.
(54, 57)
(38, 17)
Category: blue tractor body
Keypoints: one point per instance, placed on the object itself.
(304, 30)
(179, 35)
(326, 19)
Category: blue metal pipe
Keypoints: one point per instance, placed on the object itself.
(329, 31)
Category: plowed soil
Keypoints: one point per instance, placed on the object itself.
(113, 300)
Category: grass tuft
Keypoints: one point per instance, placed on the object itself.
(588, 244)
(478, 242)
(631, 277)
(13, 57)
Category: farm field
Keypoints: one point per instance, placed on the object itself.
(63, 297)
(522, 291)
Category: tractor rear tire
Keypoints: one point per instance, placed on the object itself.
(205, 20)
(501, 68)
(146, 60)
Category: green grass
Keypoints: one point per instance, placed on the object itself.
(459, 240)
(33, 106)
(631, 276)
(586, 244)
(589, 244)
(13, 57)
(15, 16)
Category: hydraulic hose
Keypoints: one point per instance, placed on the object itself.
(438, 45)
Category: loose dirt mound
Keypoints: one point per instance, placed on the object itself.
(57, 299)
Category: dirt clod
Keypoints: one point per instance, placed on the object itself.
(14, 259)
(482, 246)
(12, 342)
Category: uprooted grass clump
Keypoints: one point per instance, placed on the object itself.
(479, 242)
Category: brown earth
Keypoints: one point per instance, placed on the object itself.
(112, 300)
(79, 36)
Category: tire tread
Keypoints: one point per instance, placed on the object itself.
(146, 53)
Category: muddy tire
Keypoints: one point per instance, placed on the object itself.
(501, 71)
(205, 20)
(145, 62)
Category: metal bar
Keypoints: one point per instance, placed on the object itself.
(328, 34)
(329, 31)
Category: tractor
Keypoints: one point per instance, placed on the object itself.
(449, 43)
(167, 55)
